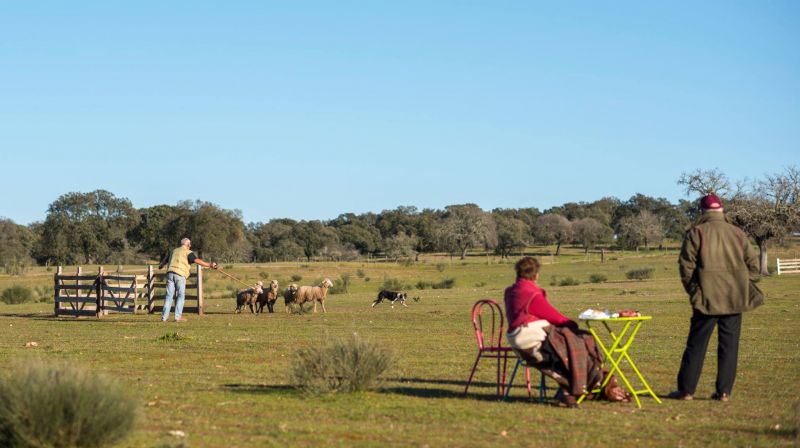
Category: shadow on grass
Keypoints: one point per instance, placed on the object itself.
(423, 392)
(461, 383)
(266, 389)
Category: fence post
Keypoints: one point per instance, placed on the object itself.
(150, 289)
(779, 265)
(56, 290)
(199, 290)
(99, 290)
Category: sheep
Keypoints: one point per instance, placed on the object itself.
(268, 297)
(248, 297)
(315, 294)
(289, 296)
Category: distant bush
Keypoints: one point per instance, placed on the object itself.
(480, 284)
(346, 365)
(640, 274)
(59, 406)
(296, 277)
(407, 262)
(264, 275)
(228, 266)
(597, 278)
(43, 293)
(366, 279)
(393, 284)
(341, 284)
(440, 267)
(569, 281)
(360, 273)
(553, 281)
(17, 294)
(446, 283)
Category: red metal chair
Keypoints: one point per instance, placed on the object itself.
(488, 321)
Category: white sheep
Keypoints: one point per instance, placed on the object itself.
(314, 293)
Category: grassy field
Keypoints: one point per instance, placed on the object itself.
(227, 381)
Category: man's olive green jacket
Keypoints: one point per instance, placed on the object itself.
(719, 267)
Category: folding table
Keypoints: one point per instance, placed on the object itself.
(621, 341)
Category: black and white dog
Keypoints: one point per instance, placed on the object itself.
(391, 296)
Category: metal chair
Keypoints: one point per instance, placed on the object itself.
(542, 385)
(488, 321)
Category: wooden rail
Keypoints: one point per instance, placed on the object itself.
(115, 292)
(791, 266)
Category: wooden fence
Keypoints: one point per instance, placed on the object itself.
(789, 266)
(114, 292)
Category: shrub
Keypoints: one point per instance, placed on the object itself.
(360, 273)
(296, 277)
(228, 266)
(640, 274)
(446, 283)
(480, 284)
(341, 284)
(407, 262)
(346, 365)
(62, 406)
(553, 281)
(264, 275)
(172, 337)
(597, 278)
(440, 267)
(17, 294)
(366, 279)
(393, 284)
(423, 284)
(569, 281)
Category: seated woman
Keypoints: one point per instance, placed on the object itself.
(548, 340)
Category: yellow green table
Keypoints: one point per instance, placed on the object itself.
(621, 341)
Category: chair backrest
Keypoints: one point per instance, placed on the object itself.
(488, 321)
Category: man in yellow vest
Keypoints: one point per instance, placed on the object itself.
(178, 265)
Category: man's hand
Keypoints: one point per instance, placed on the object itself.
(214, 266)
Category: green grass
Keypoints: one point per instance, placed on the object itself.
(226, 383)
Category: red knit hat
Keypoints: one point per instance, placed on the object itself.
(710, 202)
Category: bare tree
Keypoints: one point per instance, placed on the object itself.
(642, 229)
(589, 231)
(466, 226)
(705, 182)
(768, 209)
(765, 209)
(552, 228)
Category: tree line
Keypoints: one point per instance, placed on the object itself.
(99, 227)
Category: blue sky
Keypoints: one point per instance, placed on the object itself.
(311, 109)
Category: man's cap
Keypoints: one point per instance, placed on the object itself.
(710, 202)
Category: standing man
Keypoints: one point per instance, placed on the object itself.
(178, 265)
(718, 268)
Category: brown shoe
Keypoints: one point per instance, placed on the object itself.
(181, 319)
(723, 397)
(678, 395)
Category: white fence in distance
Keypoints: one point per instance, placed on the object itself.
(789, 266)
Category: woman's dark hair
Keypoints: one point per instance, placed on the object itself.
(527, 267)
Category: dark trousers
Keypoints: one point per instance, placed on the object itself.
(728, 329)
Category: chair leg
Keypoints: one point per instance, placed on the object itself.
(474, 366)
(499, 394)
(511, 380)
(528, 380)
(505, 365)
(542, 390)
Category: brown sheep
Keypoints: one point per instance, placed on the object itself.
(268, 297)
(289, 295)
(248, 297)
(314, 294)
